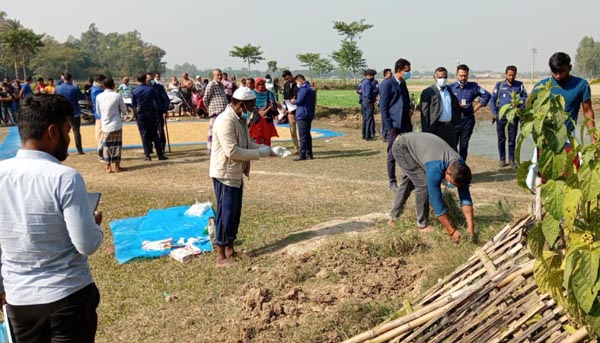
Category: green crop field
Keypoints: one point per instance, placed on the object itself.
(343, 98)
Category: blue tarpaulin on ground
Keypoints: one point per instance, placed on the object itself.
(11, 144)
(129, 233)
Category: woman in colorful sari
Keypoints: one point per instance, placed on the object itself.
(262, 127)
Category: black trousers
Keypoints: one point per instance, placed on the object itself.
(148, 127)
(512, 137)
(464, 130)
(447, 132)
(306, 149)
(368, 123)
(71, 319)
(76, 124)
(161, 131)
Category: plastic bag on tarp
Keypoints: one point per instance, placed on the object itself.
(198, 209)
(128, 234)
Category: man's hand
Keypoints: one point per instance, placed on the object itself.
(476, 107)
(98, 217)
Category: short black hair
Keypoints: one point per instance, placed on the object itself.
(510, 68)
(559, 61)
(28, 79)
(250, 79)
(439, 69)
(268, 76)
(300, 77)
(400, 65)
(40, 79)
(462, 67)
(386, 70)
(68, 76)
(50, 79)
(99, 78)
(141, 78)
(461, 173)
(39, 112)
(109, 83)
(286, 73)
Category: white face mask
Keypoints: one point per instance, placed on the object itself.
(441, 82)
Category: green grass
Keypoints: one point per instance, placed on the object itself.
(344, 98)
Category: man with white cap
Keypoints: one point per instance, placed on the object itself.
(231, 153)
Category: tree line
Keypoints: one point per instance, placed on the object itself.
(24, 53)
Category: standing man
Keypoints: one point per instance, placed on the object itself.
(26, 90)
(367, 90)
(229, 162)
(501, 96)
(290, 91)
(72, 93)
(394, 102)
(305, 113)
(228, 87)
(97, 88)
(125, 88)
(187, 85)
(467, 92)
(48, 232)
(144, 99)
(426, 160)
(162, 108)
(215, 101)
(576, 91)
(110, 107)
(440, 111)
(157, 79)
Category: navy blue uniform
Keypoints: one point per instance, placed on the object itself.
(466, 95)
(368, 91)
(147, 102)
(500, 97)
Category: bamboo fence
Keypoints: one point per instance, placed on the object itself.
(492, 298)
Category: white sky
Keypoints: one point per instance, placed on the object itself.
(483, 34)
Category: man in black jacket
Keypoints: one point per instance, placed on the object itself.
(440, 110)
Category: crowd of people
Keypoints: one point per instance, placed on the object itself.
(49, 228)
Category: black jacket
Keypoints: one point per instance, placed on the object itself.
(431, 107)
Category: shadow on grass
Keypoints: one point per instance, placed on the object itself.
(323, 155)
(504, 174)
(175, 158)
(306, 235)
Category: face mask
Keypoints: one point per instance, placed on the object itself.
(406, 75)
(441, 82)
(462, 83)
(246, 114)
(298, 85)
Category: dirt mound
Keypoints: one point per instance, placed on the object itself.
(320, 285)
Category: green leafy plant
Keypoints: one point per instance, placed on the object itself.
(566, 243)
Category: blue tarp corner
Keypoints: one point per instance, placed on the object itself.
(128, 234)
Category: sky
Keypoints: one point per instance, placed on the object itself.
(486, 35)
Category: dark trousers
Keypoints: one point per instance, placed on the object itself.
(391, 162)
(368, 120)
(464, 130)
(413, 178)
(512, 136)
(447, 132)
(305, 137)
(229, 212)
(148, 127)
(76, 125)
(161, 132)
(71, 319)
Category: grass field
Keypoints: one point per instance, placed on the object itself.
(293, 285)
(343, 98)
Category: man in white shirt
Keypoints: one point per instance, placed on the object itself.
(48, 230)
(110, 106)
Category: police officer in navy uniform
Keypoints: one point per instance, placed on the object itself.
(501, 96)
(467, 92)
(146, 101)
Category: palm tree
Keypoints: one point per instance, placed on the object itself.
(19, 43)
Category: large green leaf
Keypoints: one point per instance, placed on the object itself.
(570, 206)
(553, 193)
(582, 280)
(536, 241)
(522, 172)
(593, 319)
(549, 275)
(555, 139)
(589, 176)
(550, 228)
(570, 263)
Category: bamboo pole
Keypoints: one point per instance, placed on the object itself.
(577, 336)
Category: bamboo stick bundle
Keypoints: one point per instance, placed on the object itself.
(577, 336)
(514, 325)
(547, 317)
(543, 336)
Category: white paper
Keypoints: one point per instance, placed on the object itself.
(290, 107)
